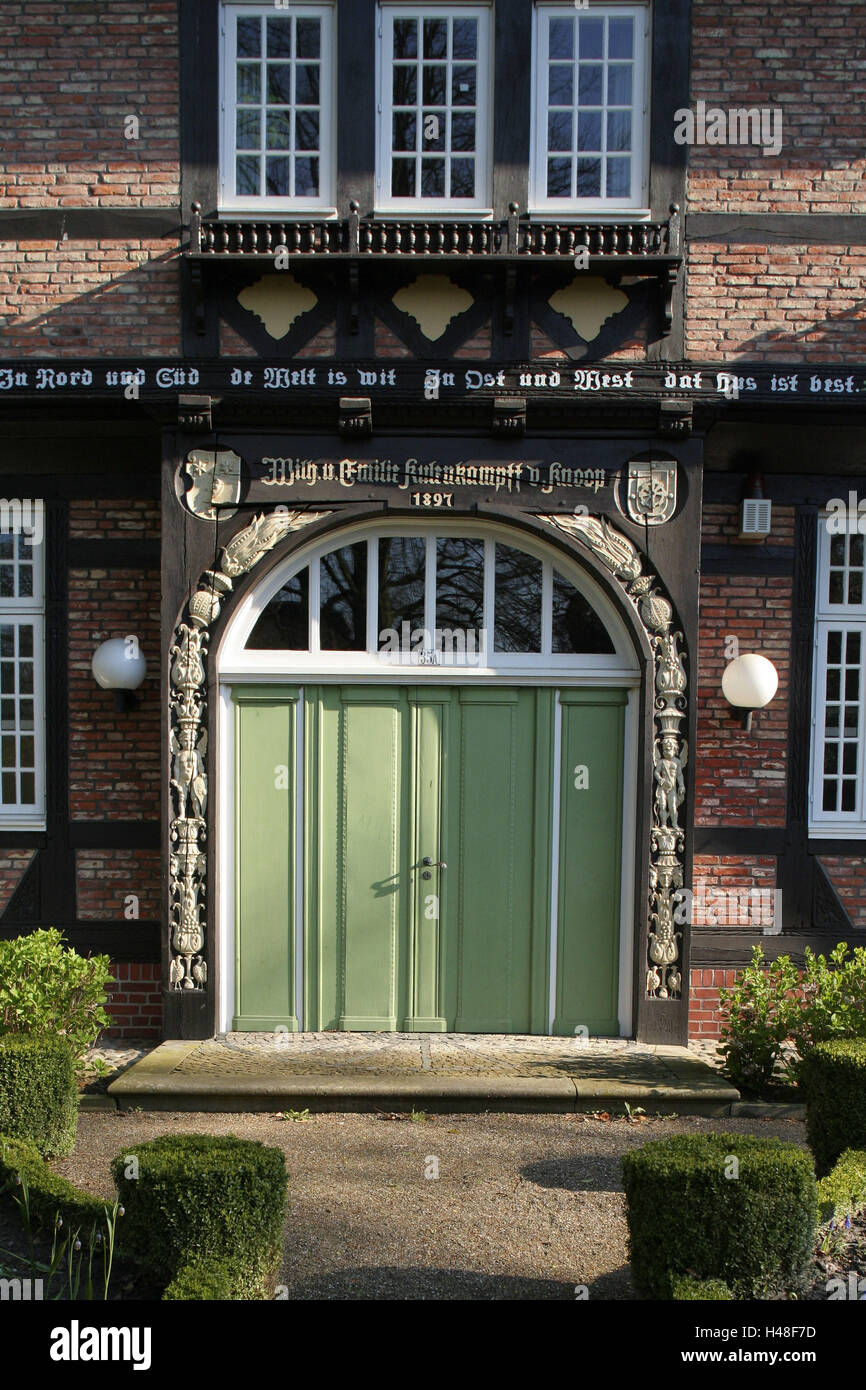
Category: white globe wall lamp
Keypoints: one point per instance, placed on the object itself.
(749, 683)
(119, 665)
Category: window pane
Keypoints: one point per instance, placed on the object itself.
(560, 88)
(405, 85)
(403, 178)
(249, 83)
(249, 126)
(284, 625)
(280, 83)
(343, 599)
(589, 84)
(306, 177)
(618, 178)
(619, 130)
(28, 789)
(561, 42)
(433, 126)
(278, 177)
(619, 84)
(589, 178)
(309, 38)
(559, 132)
(280, 38)
(307, 130)
(852, 648)
(591, 38)
(620, 38)
(559, 178)
(435, 38)
(463, 85)
(307, 84)
(249, 38)
(248, 175)
(405, 130)
(589, 131)
(433, 178)
(576, 626)
(405, 38)
(836, 590)
(517, 601)
(402, 561)
(463, 178)
(834, 648)
(464, 42)
(434, 85)
(849, 795)
(463, 131)
(279, 130)
(460, 583)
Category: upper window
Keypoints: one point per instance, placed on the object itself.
(838, 796)
(434, 107)
(278, 108)
(590, 128)
(22, 639)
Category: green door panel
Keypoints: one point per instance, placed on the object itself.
(358, 864)
(495, 928)
(431, 714)
(265, 734)
(590, 837)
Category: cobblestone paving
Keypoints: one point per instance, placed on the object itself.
(405, 1054)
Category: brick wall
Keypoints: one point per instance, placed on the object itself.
(126, 520)
(772, 302)
(91, 299)
(805, 59)
(704, 1016)
(108, 879)
(740, 777)
(114, 757)
(70, 76)
(135, 1001)
(13, 863)
(848, 877)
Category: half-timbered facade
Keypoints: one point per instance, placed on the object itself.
(439, 397)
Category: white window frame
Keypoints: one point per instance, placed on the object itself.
(637, 203)
(480, 205)
(231, 202)
(844, 618)
(30, 611)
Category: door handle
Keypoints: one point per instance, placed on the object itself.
(433, 864)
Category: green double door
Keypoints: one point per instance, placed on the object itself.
(428, 859)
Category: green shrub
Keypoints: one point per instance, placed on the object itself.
(775, 1004)
(202, 1199)
(49, 1194)
(38, 1095)
(201, 1281)
(843, 1191)
(685, 1216)
(833, 1077)
(46, 988)
(686, 1289)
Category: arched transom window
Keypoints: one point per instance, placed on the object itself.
(409, 598)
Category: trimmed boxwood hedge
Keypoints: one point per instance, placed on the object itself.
(38, 1095)
(49, 1194)
(707, 1290)
(843, 1191)
(833, 1078)
(685, 1217)
(204, 1281)
(206, 1201)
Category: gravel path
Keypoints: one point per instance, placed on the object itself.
(524, 1207)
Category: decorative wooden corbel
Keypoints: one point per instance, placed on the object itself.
(356, 417)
